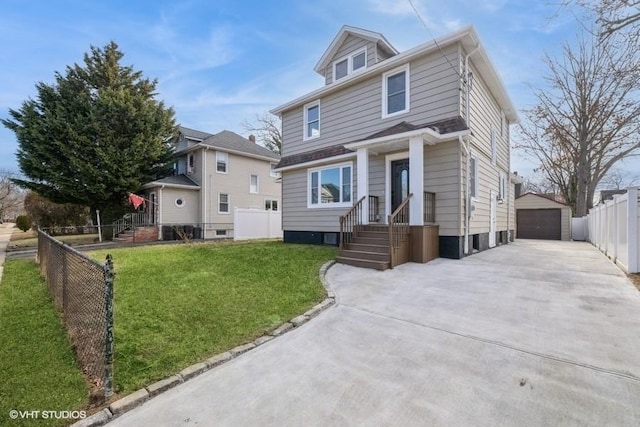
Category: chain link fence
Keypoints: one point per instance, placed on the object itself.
(82, 290)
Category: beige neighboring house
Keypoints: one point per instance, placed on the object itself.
(213, 175)
(540, 217)
(420, 135)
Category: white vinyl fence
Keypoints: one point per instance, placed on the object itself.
(614, 227)
(256, 224)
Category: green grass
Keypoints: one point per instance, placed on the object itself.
(28, 241)
(176, 305)
(37, 368)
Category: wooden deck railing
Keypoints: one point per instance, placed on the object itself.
(429, 207)
(398, 230)
(374, 205)
(349, 223)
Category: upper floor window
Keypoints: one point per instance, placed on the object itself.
(312, 120)
(353, 62)
(330, 186)
(222, 159)
(473, 176)
(253, 184)
(272, 171)
(395, 92)
(191, 164)
(271, 205)
(502, 186)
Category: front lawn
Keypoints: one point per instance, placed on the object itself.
(176, 305)
(37, 368)
(29, 239)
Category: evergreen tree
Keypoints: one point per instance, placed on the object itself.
(94, 135)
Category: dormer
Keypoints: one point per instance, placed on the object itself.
(352, 51)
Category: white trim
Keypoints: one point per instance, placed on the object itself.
(502, 186)
(226, 162)
(228, 204)
(349, 58)
(257, 184)
(416, 181)
(268, 199)
(184, 202)
(362, 162)
(493, 218)
(191, 163)
(273, 173)
(166, 184)
(387, 180)
(318, 162)
(407, 93)
(320, 205)
(428, 134)
(305, 123)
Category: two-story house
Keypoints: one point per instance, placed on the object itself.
(400, 155)
(213, 174)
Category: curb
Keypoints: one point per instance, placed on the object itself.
(138, 397)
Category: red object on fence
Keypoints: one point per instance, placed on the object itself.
(135, 200)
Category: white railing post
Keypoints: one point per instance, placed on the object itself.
(633, 238)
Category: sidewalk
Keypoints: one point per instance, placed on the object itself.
(5, 235)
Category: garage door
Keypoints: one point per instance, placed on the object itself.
(539, 224)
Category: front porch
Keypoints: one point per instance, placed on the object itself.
(365, 243)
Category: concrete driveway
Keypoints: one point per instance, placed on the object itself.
(530, 334)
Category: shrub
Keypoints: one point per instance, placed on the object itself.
(23, 222)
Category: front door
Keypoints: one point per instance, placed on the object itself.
(399, 182)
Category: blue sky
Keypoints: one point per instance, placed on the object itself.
(220, 63)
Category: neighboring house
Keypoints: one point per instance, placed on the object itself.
(213, 174)
(432, 121)
(540, 216)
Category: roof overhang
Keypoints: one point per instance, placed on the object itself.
(202, 145)
(400, 140)
(154, 184)
(318, 162)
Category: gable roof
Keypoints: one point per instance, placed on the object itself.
(442, 127)
(194, 134)
(469, 39)
(545, 197)
(231, 141)
(342, 35)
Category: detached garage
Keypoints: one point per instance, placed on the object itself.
(538, 217)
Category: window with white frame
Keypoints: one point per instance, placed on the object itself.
(347, 65)
(222, 161)
(270, 205)
(272, 171)
(312, 120)
(191, 164)
(395, 92)
(494, 146)
(253, 184)
(223, 203)
(473, 176)
(502, 186)
(330, 186)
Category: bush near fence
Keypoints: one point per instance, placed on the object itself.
(82, 290)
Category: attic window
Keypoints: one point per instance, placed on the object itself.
(349, 64)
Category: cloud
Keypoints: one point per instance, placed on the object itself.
(392, 7)
(492, 5)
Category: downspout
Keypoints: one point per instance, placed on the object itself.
(160, 210)
(203, 189)
(467, 199)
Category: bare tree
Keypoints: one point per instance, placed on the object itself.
(11, 196)
(615, 17)
(267, 127)
(617, 179)
(587, 119)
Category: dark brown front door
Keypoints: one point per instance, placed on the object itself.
(399, 182)
(539, 224)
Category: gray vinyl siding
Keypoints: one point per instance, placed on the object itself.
(356, 112)
(442, 177)
(188, 214)
(381, 55)
(485, 115)
(296, 216)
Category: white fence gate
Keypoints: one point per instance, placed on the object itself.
(614, 227)
(256, 224)
(579, 228)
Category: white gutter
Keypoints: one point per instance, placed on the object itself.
(232, 151)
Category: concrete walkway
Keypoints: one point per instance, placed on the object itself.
(529, 334)
(5, 236)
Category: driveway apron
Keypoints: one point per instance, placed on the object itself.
(532, 333)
